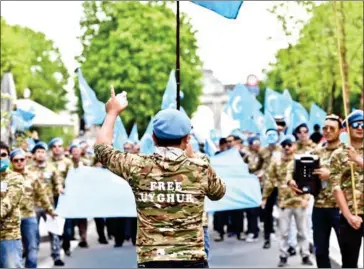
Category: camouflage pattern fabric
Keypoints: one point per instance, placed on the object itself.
(33, 191)
(276, 177)
(169, 190)
(325, 199)
(305, 148)
(267, 153)
(254, 161)
(80, 163)
(50, 179)
(341, 178)
(63, 165)
(12, 186)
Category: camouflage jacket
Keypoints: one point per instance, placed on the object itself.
(254, 161)
(12, 186)
(267, 153)
(33, 191)
(82, 162)
(277, 177)
(169, 190)
(62, 165)
(305, 148)
(341, 178)
(325, 199)
(50, 179)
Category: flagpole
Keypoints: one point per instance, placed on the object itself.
(345, 98)
(178, 77)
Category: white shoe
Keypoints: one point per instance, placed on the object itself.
(251, 238)
(273, 237)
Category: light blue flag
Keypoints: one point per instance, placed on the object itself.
(242, 188)
(94, 110)
(21, 120)
(134, 136)
(114, 196)
(243, 105)
(344, 138)
(299, 116)
(227, 107)
(169, 96)
(317, 116)
(215, 136)
(194, 143)
(272, 102)
(228, 9)
(120, 136)
(209, 147)
(146, 143)
(287, 105)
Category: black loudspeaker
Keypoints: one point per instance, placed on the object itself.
(304, 165)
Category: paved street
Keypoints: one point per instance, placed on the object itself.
(228, 254)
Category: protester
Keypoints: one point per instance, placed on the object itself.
(325, 215)
(316, 136)
(173, 172)
(51, 180)
(12, 186)
(352, 211)
(33, 191)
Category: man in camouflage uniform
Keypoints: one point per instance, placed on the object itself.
(33, 191)
(351, 222)
(325, 214)
(77, 162)
(51, 180)
(273, 150)
(255, 164)
(290, 203)
(304, 143)
(169, 187)
(12, 186)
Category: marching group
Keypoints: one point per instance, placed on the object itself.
(32, 181)
(302, 217)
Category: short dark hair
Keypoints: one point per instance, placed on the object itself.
(316, 127)
(222, 141)
(161, 142)
(5, 146)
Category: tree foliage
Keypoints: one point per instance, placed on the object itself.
(310, 68)
(35, 63)
(133, 45)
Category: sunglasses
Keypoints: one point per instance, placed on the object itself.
(357, 125)
(288, 144)
(328, 128)
(18, 160)
(4, 155)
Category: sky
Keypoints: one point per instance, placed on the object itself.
(232, 49)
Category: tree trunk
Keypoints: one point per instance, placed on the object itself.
(330, 105)
(343, 53)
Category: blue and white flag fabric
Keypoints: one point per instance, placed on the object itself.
(94, 110)
(21, 120)
(115, 198)
(194, 143)
(120, 136)
(299, 116)
(209, 147)
(272, 102)
(317, 116)
(227, 9)
(146, 142)
(134, 136)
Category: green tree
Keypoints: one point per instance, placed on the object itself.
(133, 45)
(310, 68)
(35, 63)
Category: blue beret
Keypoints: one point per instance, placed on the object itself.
(15, 152)
(171, 124)
(252, 139)
(299, 126)
(356, 115)
(73, 146)
(54, 141)
(271, 129)
(39, 145)
(288, 139)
